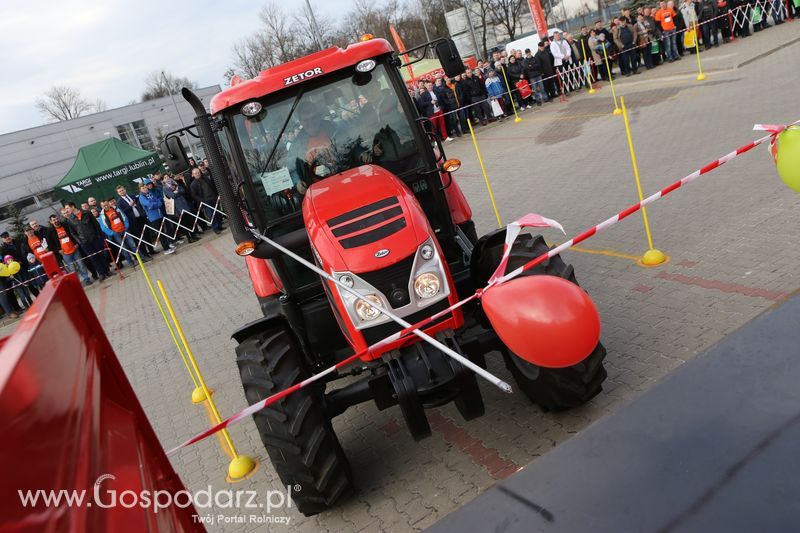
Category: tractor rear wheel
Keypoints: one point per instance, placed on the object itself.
(296, 431)
(553, 389)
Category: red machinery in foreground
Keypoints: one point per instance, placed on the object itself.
(328, 157)
(73, 429)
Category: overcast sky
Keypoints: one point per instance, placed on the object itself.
(106, 48)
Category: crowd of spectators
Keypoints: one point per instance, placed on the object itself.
(92, 238)
(653, 35)
(96, 236)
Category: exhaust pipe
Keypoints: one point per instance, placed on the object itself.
(203, 122)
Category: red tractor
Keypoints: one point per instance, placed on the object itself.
(328, 156)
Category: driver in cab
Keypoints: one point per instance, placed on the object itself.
(324, 146)
(311, 151)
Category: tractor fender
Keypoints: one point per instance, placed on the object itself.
(486, 256)
(256, 326)
(460, 210)
(263, 277)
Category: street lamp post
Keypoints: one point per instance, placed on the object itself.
(172, 96)
(472, 28)
(314, 26)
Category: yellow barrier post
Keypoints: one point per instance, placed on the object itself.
(198, 396)
(617, 110)
(589, 74)
(241, 465)
(485, 176)
(652, 257)
(480, 160)
(700, 76)
(510, 96)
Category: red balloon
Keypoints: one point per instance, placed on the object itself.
(545, 320)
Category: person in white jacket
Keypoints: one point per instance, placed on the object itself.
(689, 15)
(562, 56)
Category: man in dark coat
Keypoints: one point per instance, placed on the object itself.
(447, 100)
(202, 189)
(515, 71)
(478, 96)
(86, 230)
(19, 251)
(129, 204)
(463, 100)
(62, 241)
(545, 59)
(176, 191)
(533, 72)
(708, 22)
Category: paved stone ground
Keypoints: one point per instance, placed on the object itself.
(731, 238)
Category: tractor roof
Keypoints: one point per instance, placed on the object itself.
(295, 72)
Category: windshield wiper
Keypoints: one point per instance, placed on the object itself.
(283, 128)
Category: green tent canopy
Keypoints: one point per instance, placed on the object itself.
(101, 166)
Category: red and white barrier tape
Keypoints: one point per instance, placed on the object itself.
(498, 277)
(774, 131)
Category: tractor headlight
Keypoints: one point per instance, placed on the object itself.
(365, 310)
(426, 251)
(366, 66)
(427, 285)
(346, 280)
(251, 109)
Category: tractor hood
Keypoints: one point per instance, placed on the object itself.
(363, 219)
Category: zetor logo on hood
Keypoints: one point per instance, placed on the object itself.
(301, 76)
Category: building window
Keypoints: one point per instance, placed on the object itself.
(136, 134)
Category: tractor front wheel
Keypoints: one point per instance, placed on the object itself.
(553, 389)
(296, 431)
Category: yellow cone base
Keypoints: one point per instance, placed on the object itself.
(518, 119)
(617, 111)
(701, 77)
(592, 91)
(198, 396)
(240, 467)
(653, 257)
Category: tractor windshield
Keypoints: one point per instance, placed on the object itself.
(348, 122)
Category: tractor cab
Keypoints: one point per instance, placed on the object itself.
(339, 125)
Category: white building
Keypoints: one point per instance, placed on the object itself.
(32, 161)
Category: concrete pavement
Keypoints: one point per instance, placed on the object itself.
(730, 236)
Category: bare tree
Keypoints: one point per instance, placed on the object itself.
(284, 36)
(312, 36)
(61, 102)
(160, 83)
(507, 14)
(368, 16)
(99, 105)
(281, 34)
(252, 55)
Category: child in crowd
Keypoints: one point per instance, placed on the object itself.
(36, 272)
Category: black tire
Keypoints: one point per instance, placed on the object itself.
(553, 389)
(296, 432)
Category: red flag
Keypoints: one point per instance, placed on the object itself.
(539, 19)
(401, 48)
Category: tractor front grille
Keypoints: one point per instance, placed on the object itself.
(381, 331)
(385, 217)
(392, 281)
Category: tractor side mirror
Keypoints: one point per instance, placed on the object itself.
(174, 154)
(450, 59)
